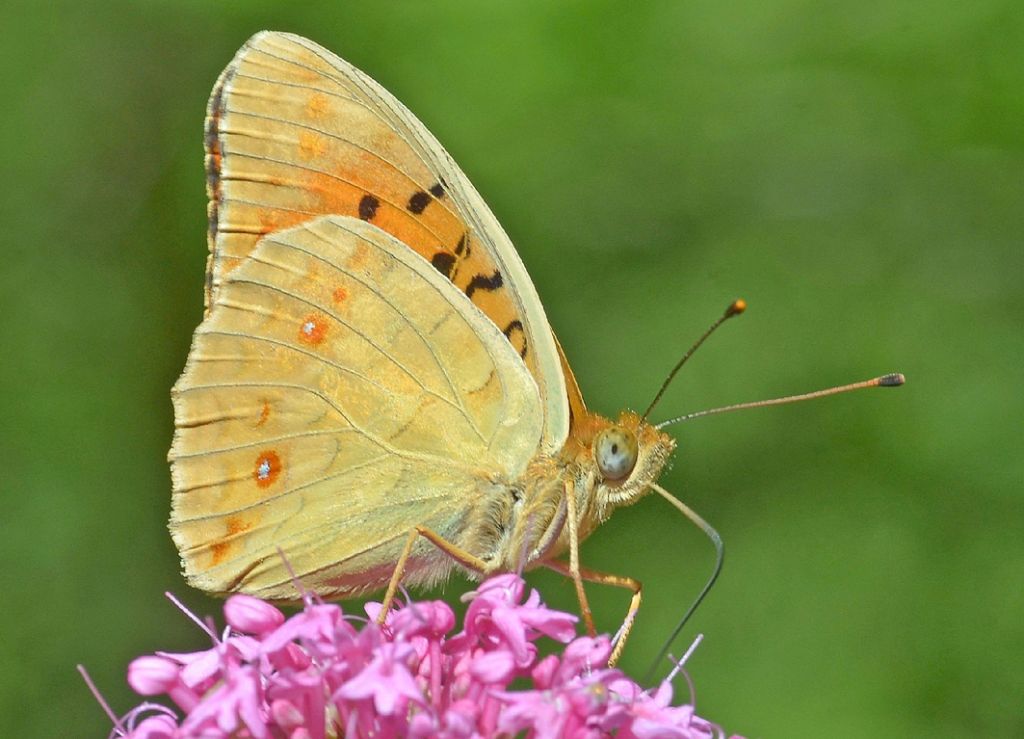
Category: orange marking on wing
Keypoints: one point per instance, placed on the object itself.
(219, 550)
(412, 232)
(340, 295)
(306, 75)
(317, 106)
(311, 145)
(277, 220)
(360, 255)
(339, 190)
(213, 147)
(215, 167)
(267, 468)
(313, 273)
(264, 414)
(329, 194)
(313, 329)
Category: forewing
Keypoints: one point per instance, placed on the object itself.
(294, 132)
(340, 392)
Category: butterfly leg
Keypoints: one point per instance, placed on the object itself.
(604, 578)
(574, 559)
(460, 555)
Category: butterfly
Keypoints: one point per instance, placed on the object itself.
(374, 388)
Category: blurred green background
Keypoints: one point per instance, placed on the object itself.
(854, 170)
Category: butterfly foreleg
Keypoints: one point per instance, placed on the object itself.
(574, 558)
(550, 538)
(460, 555)
(605, 578)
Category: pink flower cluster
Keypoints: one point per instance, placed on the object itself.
(323, 674)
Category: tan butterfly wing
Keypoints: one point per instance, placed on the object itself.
(340, 391)
(294, 132)
(577, 408)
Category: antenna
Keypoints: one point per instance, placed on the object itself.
(735, 308)
(894, 379)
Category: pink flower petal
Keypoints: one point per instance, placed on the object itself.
(152, 675)
(493, 667)
(251, 615)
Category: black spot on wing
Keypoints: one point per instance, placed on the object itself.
(418, 202)
(368, 207)
(514, 327)
(447, 263)
(443, 262)
(482, 282)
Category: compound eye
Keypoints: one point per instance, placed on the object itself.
(615, 450)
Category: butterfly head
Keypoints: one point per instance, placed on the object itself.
(628, 454)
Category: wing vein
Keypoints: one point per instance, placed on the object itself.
(430, 348)
(402, 453)
(266, 441)
(285, 493)
(402, 314)
(330, 175)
